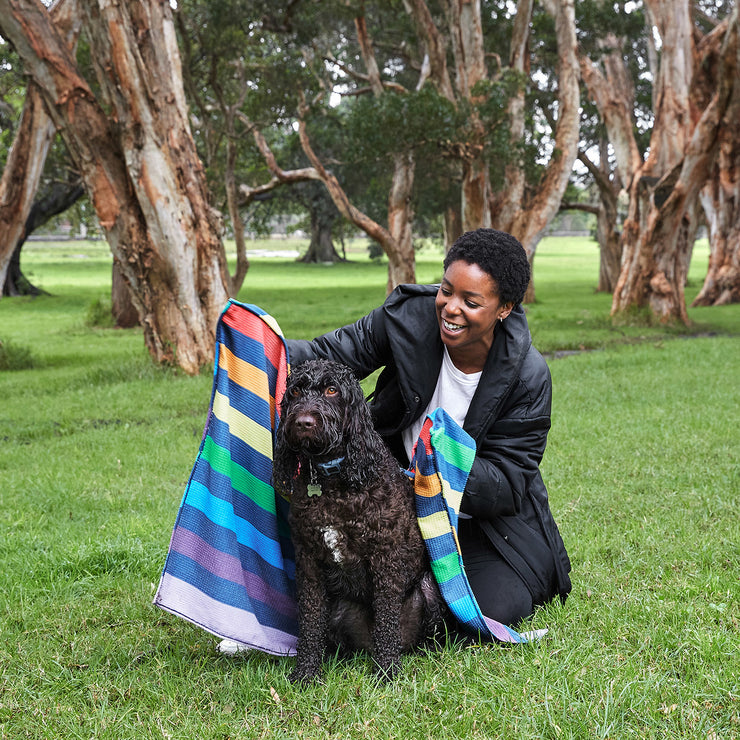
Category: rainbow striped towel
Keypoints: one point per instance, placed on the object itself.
(230, 567)
(442, 460)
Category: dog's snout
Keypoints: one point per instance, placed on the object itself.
(305, 422)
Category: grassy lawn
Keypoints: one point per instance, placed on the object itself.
(643, 468)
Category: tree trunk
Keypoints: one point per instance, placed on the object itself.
(400, 246)
(321, 247)
(58, 200)
(125, 315)
(21, 178)
(232, 196)
(528, 218)
(25, 164)
(138, 163)
(657, 237)
(721, 201)
(610, 251)
(401, 261)
(452, 226)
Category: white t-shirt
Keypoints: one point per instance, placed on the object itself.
(453, 393)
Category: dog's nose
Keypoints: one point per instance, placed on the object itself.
(305, 422)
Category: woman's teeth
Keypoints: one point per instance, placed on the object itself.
(451, 327)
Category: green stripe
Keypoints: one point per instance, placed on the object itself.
(242, 480)
(456, 453)
(446, 568)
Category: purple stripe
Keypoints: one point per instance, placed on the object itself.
(502, 632)
(222, 620)
(229, 568)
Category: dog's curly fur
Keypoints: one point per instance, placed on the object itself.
(362, 573)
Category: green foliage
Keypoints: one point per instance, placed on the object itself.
(642, 467)
(398, 122)
(14, 356)
(99, 313)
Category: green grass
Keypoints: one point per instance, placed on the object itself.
(643, 468)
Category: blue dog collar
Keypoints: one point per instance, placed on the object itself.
(333, 467)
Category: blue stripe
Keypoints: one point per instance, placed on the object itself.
(219, 486)
(249, 403)
(222, 513)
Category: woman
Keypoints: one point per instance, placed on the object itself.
(465, 346)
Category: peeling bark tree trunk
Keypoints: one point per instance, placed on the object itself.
(25, 164)
(526, 215)
(21, 177)
(58, 200)
(401, 261)
(658, 232)
(399, 248)
(232, 196)
(721, 201)
(610, 88)
(139, 163)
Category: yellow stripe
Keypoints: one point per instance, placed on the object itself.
(243, 373)
(452, 496)
(270, 321)
(246, 375)
(434, 525)
(241, 426)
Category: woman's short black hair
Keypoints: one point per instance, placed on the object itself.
(500, 255)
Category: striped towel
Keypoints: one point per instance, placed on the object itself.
(441, 464)
(230, 567)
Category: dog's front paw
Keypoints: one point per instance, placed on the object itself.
(303, 675)
(387, 670)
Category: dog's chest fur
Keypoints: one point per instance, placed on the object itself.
(349, 534)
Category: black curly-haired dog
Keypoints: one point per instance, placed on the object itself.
(362, 573)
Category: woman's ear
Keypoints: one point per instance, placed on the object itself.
(505, 310)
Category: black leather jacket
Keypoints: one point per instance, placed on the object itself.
(509, 418)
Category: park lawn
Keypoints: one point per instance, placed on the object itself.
(643, 471)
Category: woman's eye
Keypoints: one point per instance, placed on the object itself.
(470, 304)
(331, 391)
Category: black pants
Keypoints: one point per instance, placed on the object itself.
(500, 592)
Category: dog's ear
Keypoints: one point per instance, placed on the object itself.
(284, 462)
(361, 442)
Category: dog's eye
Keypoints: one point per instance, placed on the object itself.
(295, 392)
(331, 390)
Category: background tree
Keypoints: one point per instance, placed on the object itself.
(449, 50)
(24, 167)
(617, 111)
(720, 197)
(658, 234)
(139, 164)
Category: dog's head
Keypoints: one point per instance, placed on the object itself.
(323, 413)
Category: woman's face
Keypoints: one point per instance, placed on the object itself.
(468, 308)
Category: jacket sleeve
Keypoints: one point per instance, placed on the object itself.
(363, 346)
(510, 452)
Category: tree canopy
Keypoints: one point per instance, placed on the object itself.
(399, 117)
